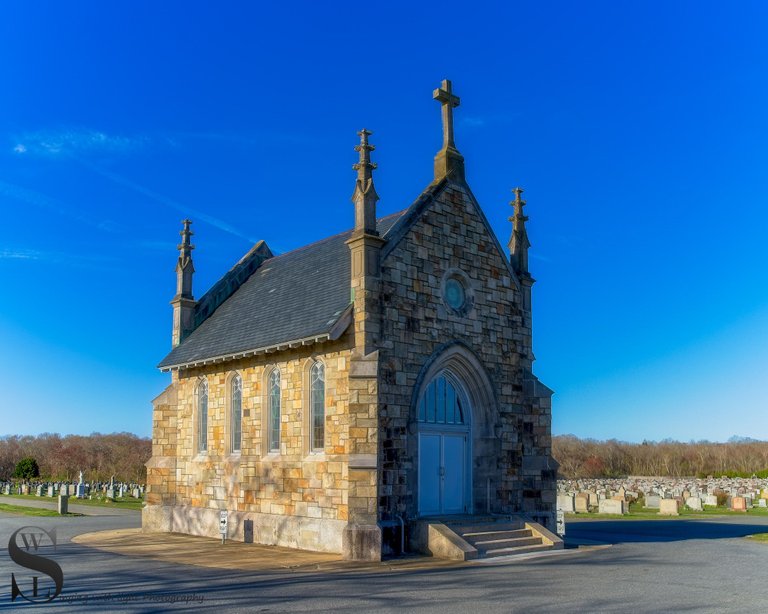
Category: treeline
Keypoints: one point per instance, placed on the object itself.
(589, 458)
(98, 456)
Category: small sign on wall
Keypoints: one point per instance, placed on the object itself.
(560, 523)
(223, 524)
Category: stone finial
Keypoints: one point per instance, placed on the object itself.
(185, 247)
(365, 196)
(183, 303)
(448, 160)
(518, 242)
(184, 267)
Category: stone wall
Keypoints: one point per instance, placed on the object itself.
(488, 343)
(295, 497)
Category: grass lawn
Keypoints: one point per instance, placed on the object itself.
(645, 513)
(759, 537)
(30, 511)
(125, 503)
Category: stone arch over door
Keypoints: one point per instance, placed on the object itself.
(484, 447)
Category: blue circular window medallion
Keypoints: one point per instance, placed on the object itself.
(454, 293)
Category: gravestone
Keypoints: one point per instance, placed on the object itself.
(565, 503)
(669, 507)
(63, 504)
(694, 503)
(136, 493)
(593, 499)
(612, 506)
(51, 491)
(748, 502)
(7, 490)
(581, 503)
(652, 501)
(39, 491)
(81, 491)
(710, 500)
(738, 504)
(122, 491)
(761, 503)
(24, 489)
(110, 493)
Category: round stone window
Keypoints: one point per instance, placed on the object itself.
(455, 295)
(457, 292)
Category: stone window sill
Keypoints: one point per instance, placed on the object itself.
(318, 456)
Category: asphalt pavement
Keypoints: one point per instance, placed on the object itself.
(650, 566)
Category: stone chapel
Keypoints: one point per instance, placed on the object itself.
(333, 397)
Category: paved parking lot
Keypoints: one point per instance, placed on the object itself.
(651, 566)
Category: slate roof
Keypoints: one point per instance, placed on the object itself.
(295, 296)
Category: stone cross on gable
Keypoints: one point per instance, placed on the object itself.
(448, 101)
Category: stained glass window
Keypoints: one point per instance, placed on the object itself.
(202, 416)
(237, 412)
(274, 410)
(317, 404)
(441, 403)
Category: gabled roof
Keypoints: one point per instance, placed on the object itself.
(296, 298)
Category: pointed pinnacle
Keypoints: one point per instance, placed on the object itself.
(364, 148)
(518, 205)
(186, 234)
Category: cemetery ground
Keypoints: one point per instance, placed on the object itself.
(684, 563)
(647, 513)
(30, 511)
(127, 503)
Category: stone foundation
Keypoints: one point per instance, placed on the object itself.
(362, 543)
(317, 534)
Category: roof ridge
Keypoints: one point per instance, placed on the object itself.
(334, 236)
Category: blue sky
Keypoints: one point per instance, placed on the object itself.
(638, 131)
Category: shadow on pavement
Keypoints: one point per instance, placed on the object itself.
(620, 531)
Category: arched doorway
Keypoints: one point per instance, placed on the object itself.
(444, 441)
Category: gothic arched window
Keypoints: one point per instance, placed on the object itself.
(202, 416)
(274, 411)
(317, 406)
(441, 403)
(236, 412)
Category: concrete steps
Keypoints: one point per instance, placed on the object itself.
(516, 550)
(512, 542)
(467, 538)
(501, 539)
(495, 534)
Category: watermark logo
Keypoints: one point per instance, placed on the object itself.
(26, 547)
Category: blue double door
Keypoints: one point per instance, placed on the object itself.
(443, 473)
